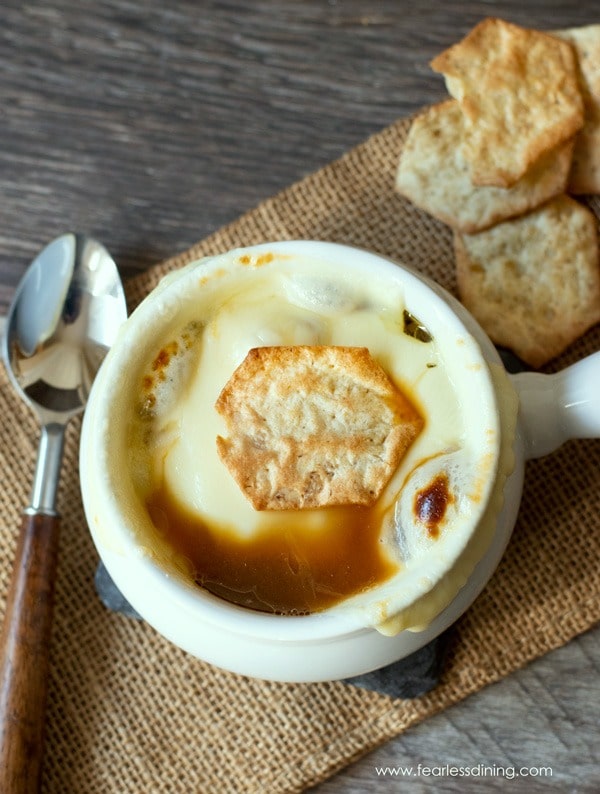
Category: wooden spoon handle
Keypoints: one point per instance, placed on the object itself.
(24, 654)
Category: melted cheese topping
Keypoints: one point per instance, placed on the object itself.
(420, 614)
(298, 311)
(207, 331)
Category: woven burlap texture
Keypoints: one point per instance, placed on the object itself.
(128, 712)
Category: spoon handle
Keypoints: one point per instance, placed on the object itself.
(24, 654)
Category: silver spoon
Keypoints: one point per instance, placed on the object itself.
(63, 319)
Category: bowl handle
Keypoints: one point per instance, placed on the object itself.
(555, 408)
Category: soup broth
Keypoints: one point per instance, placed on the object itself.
(292, 562)
(286, 569)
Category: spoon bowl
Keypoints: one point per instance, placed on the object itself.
(64, 317)
(63, 320)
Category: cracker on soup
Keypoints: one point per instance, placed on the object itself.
(313, 426)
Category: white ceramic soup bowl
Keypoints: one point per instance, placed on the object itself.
(501, 422)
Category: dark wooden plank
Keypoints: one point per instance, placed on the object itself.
(150, 124)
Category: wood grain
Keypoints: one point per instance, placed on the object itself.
(543, 716)
(150, 124)
(25, 654)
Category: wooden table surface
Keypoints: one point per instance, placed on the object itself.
(150, 124)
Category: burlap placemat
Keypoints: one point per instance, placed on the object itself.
(130, 713)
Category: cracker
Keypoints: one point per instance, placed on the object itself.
(585, 173)
(434, 174)
(519, 91)
(313, 426)
(533, 283)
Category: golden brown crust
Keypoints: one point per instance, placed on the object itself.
(533, 283)
(519, 90)
(312, 426)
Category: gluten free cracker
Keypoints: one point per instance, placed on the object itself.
(585, 173)
(533, 283)
(520, 94)
(313, 426)
(434, 174)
